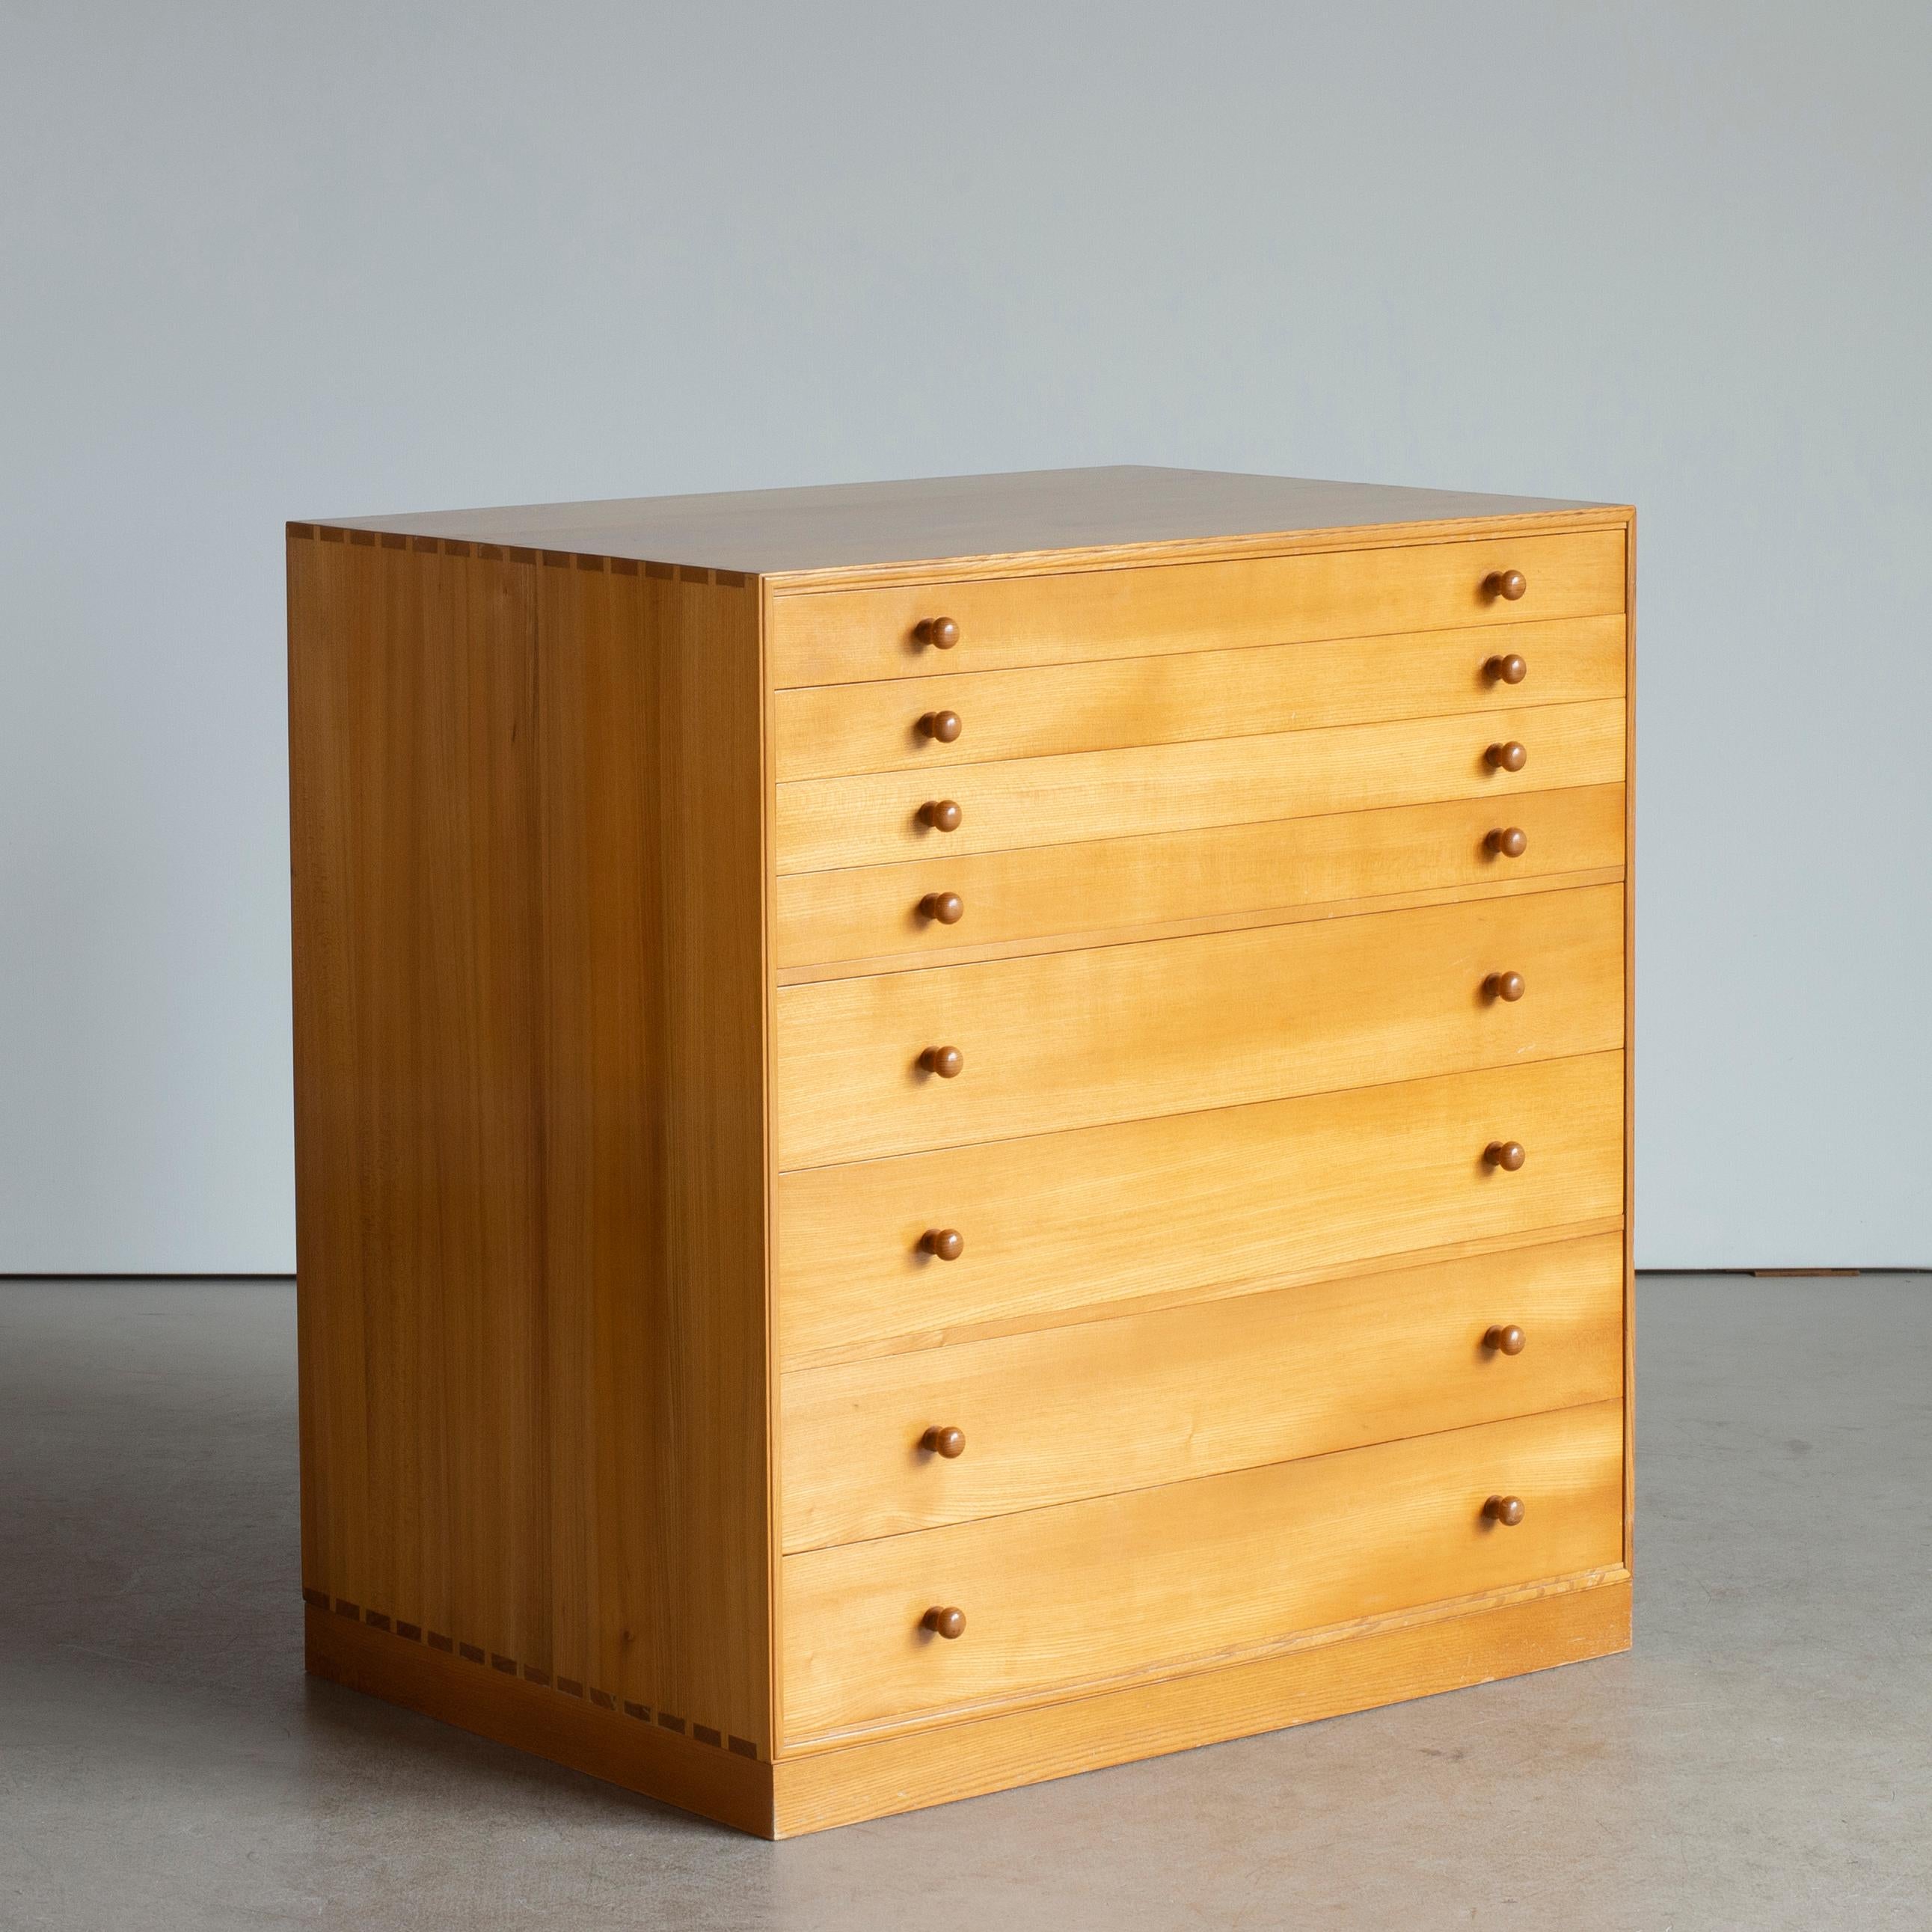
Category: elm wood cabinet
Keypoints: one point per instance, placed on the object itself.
(950, 1132)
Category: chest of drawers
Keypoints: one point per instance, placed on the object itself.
(949, 1132)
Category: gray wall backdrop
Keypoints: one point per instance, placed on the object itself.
(262, 261)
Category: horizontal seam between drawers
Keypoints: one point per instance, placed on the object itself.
(1226, 1107)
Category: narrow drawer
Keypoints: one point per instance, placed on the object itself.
(828, 730)
(1216, 1569)
(1190, 1205)
(1221, 1019)
(1110, 886)
(845, 637)
(890, 816)
(1096, 1408)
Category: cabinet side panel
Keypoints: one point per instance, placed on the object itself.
(527, 889)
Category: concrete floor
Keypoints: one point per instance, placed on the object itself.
(1763, 1760)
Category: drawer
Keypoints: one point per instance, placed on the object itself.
(828, 730)
(846, 637)
(1213, 1570)
(1096, 1408)
(1220, 1019)
(1190, 1205)
(1112, 886)
(883, 816)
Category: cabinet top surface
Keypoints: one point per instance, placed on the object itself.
(950, 520)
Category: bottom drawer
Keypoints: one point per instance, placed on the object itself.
(1191, 1572)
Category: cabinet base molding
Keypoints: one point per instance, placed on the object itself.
(1410, 1659)
(966, 1760)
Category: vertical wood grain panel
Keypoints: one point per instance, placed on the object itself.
(527, 815)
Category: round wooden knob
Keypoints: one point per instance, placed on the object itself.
(944, 725)
(1507, 1155)
(942, 633)
(1509, 757)
(948, 908)
(949, 1244)
(1505, 1341)
(947, 1442)
(1504, 985)
(1511, 841)
(1510, 670)
(941, 813)
(1506, 584)
(947, 1621)
(1507, 1511)
(945, 1061)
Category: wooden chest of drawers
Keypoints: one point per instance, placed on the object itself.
(951, 1131)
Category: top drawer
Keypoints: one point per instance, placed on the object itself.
(846, 637)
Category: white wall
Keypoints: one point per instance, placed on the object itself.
(258, 262)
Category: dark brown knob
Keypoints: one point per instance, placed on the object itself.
(1507, 584)
(1507, 1511)
(945, 1061)
(944, 725)
(941, 813)
(947, 1442)
(1511, 840)
(948, 908)
(1510, 670)
(1505, 1341)
(942, 633)
(1507, 1155)
(949, 1245)
(1504, 985)
(1509, 757)
(947, 1621)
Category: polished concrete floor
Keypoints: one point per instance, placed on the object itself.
(1762, 1760)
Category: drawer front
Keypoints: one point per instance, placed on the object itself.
(846, 637)
(1093, 1409)
(1221, 1019)
(1189, 1205)
(1112, 886)
(882, 818)
(1215, 1569)
(829, 730)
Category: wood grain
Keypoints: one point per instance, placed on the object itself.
(862, 917)
(841, 527)
(1075, 1039)
(1100, 1407)
(530, 1121)
(1189, 1205)
(1401, 1658)
(874, 820)
(833, 731)
(848, 636)
(1103, 1590)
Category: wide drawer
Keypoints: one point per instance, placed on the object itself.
(845, 637)
(1219, 1019)
(1110, 886)
(1192, 1204)
(887, 816)
(1094, 1407)
(1218, 1569)
(826, 731)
